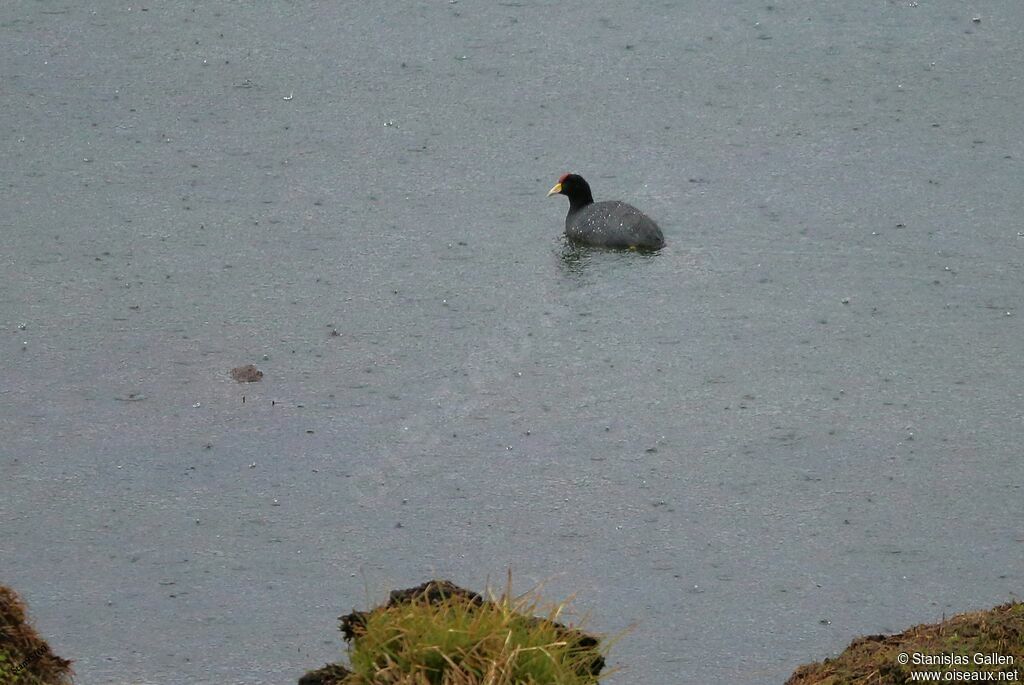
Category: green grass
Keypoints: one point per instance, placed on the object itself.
(456, 641)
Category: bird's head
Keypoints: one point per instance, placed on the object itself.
(574, 187)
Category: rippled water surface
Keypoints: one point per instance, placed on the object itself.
(797, 423)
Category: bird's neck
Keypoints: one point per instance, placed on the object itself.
(579, 200)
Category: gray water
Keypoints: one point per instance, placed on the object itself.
(797, 423)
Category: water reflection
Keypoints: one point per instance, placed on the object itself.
(576, 259)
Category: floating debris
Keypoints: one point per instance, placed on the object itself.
(246, 374)
(131, 397)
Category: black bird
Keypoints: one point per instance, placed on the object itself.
(605, 224)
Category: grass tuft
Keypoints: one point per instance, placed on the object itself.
(25, 657)
(440, 634)
(875, 659)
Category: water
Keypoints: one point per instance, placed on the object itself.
(797, 423)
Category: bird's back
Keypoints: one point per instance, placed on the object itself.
(613, 224)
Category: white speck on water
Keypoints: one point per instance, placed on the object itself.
(288, 97)
(197, 405)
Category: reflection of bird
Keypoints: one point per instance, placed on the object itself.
(605, 224)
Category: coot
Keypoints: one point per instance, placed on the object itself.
(605, 224)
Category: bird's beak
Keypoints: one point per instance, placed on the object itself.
(556, 190)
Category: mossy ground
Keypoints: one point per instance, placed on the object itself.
(25, 658)
(875, 659)
(441, 634)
